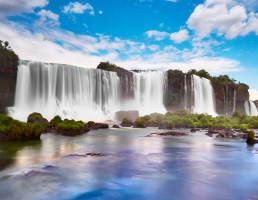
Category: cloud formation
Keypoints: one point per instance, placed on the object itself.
(180, 36)
(78, 8)
(157, 35)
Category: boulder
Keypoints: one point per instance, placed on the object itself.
(209, 134)
(116, 126)
(131, 114)
(95, 126)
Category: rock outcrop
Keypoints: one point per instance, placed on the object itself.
(8, 76)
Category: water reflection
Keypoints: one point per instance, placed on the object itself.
(133, 167)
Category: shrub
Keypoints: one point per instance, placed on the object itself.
(56, 120)
(250, 137)
(243, 127)
(140, 123)
(127, 121)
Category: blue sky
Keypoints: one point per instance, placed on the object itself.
(219, 36)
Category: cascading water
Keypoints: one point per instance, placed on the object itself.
(71, 92)
(149, 93)
(250, 108)
(83, 94)
(204, 101)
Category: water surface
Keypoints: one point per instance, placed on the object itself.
(132, 167)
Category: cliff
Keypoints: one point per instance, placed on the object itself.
(8, 75)
(126, 78)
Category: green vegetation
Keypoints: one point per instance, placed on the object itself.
(127, 121)
(34, 117)
(182, 118)
(5, 49)
(71, 125)
(140, 122)
(56, 120)
(250, 138)
(107, 66)
(16, 130)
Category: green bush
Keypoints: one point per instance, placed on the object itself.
(127, 121)
(140, 123)
(243, 127)
(56, 120)
(71, 125)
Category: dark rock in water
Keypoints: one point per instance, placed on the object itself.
(213, 130)
(218, 136)
(250, 138)
(131, 114)
(244, 136)
(245, 131)
(169, 134)
(116, 126)
(71, 132)
(95, 154)
(193, 130)
(50, 129)
(209, 134)
(95, 126)
(167, 125)
(222, 134)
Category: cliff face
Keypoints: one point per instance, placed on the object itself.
(178, 94)
(229, 97)
(8, 75)
(126, 78)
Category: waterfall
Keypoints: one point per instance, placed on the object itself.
(83, 94)
(204, 101)
(149, 93)
(71, 92)
(185, 92)
(250, 108)
(253, 109)
(234, 102)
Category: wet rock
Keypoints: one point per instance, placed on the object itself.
(193, 130)
(209, 134)
(213, 130)
(170, 134)
(95, 154)
(218, 136)
(116, 126)
(95, 126)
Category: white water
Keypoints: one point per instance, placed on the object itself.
(250, 108)
(82, 94)
(204, 101)
(149, 90)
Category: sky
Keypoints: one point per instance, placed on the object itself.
(220, 36)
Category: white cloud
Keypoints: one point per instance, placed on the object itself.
(14, 7)
(171, 0)
(84, 51)
(253, 94)
(48, 17)
(180, 36)
(153, 47)
(157, 35)
(100, 12)
(215, 16)
(252, 24)
(78, 8)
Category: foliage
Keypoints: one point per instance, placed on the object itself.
(17, 130)
(71, 125)
(140, 123)
(107, 66)
(55, 121)
(127, 121)
(201, 73)
(250, 137)
(34, 116)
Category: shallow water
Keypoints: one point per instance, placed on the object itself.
(132, 167)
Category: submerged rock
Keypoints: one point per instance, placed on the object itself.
(95, 126)
(116, 126)
(209, 134)
(171, 133)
